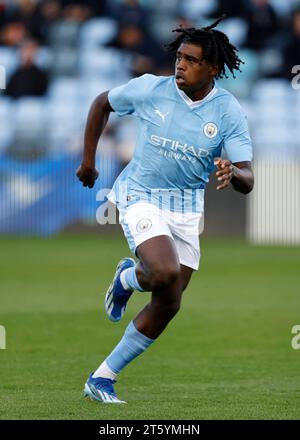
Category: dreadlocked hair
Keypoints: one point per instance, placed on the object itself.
(217, 49)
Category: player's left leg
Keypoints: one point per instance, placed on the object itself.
(164, 305)
(159, 260)
(151, 320)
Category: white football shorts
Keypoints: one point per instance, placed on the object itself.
(142, 221)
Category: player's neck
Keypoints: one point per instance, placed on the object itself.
(201, 93)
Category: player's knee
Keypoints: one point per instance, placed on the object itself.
(164, 276)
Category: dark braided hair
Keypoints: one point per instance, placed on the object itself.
(217, 49)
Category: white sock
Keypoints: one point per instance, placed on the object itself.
(129, 280)
(104, 371)
(123, 280)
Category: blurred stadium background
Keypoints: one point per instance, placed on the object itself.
(235, 329)
(59, 54)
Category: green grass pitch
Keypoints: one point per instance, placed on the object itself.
(226, 355)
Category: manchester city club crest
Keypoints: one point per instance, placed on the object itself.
(210, 130)
(144, 225)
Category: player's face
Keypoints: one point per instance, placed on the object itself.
(192, 72)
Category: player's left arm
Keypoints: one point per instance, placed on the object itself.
(236, 170)
(238, 174)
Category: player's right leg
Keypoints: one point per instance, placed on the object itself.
(141, 222)
(117, 295)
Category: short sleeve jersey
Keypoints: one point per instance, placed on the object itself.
(177, 138)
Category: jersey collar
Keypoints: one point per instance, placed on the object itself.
(192, 103)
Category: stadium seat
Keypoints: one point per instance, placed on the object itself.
(268, 90)
(44, 58)
(265, 135)
(269, 113)
(5, 107)
(195, 10)
(6, 123)
(125, 138)
(65, 61)
(8, 59)
(103, 63)
(241, 85)
(30, 134)
(65, 88)
(271, 59)
(95, 86)
(66, 121)
(64, 33)
(96, 32)
(283, 8)
(30, 110)
(248, 109)
(236, 29)
(297, 98)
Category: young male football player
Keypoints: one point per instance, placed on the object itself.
(184, 122)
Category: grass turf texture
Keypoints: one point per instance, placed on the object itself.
(226, 355)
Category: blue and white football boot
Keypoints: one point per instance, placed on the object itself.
(116, 297)
(101, 390)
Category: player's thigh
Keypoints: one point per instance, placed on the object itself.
(158, 255)
(141, 222)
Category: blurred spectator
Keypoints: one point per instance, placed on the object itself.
(262, 24)
(28, 80)
(13, 34)
(147, 55)
(2, 13)
(130, 12)
(49, 13)
(291, 53)
(26, 12)
(95, 7)
(77, 12)
(231, 8)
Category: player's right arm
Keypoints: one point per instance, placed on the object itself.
(96, 122)
(124, 100)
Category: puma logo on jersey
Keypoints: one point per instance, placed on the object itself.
(159, 113)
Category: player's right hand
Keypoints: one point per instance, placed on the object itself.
(87, 175)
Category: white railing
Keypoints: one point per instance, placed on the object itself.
(274, 204)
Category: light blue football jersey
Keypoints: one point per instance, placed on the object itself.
(177, 141)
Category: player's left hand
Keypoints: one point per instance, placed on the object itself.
(224, 173)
